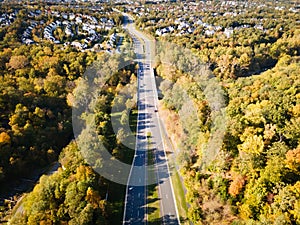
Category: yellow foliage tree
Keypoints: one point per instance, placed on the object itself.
(18, 62)
(293, 160)
(253, 144)
(93, 197)
(236, 185)
(4, 138)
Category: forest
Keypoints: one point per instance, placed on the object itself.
(254, 178)
(38, 85)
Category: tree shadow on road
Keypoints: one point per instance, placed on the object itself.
(170, 220)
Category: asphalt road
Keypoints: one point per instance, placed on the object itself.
(135, 211)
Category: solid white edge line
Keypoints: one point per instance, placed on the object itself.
(132, 165)
(133, 160)
(156, 101)
(146, 152)
(161, 211)
(159, 125)
(167, 162)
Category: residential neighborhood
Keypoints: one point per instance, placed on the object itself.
(185, 20)
(82, 31)
(149, 112)
(7, 19)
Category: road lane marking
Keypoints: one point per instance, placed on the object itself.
(149, 82)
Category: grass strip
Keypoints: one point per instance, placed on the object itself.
(177, 183)
(117, 191)
(153, 206)
(180, 198)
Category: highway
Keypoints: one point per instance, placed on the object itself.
(135, 210)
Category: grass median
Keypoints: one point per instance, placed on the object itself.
(153, 206)
(117, 191)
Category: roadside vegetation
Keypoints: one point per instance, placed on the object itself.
(39, 84)
(76, 194)
(253, 50)
(254, 179)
